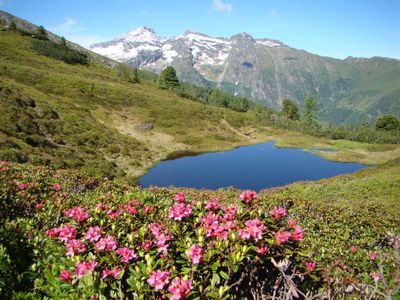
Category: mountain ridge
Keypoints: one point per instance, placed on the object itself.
(268, 71)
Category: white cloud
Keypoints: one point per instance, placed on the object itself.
(273, 13)
(69, 25)
(75, 32)
(144, 12)
(220, 6)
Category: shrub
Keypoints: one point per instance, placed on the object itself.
(387, 122)
(60, 52)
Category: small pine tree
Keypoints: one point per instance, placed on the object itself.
(12, 26)
(309, 114)
(63, 42)
(168, 79)
(135, 78)
(41, 33)
(290, 110)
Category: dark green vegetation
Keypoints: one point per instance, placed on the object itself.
(167, 79)
(388, 123)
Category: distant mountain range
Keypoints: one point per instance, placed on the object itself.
(268, 71)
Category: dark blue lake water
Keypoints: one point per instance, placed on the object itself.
(251, 167)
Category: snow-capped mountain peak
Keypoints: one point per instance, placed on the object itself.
(205, 56)
(141, 34)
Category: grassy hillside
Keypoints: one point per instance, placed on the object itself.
(87, 116)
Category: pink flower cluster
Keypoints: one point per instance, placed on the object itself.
(162, 237)
(216, 226)
(196, 254)
(126, 254)
(180, 198)
(107, 243)
(77, 213)
(298, 234)
(262, 250)
(311, 265)
(93, 234)
(82, 268)
(282, 237)
(180, 288)
(147, 244)
(22, 186)
(57, 186)
(65, 275)
(180, 211)
(254, 229)
(277, 213)
(65, 233)
(213, 204)
(75, 246)
(113, 214)
(130, 209)
(111, 273)
(102, 206)
(230, 213)
(248, 196)
(158, 279)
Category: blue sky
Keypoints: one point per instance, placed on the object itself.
(336, 28)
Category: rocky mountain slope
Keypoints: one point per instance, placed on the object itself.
(267, 71)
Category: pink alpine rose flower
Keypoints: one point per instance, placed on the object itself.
(213, 204)
(311, 265)
(39, 206)
(107, 243)
(262, 250)
(22, 186)
(111, 273)
(54, 232)
(102, 206)
(180, 198)
(277, 213)
(67, 233)
(298, 234)
(373, 255)
(282, 237)
(75, 246)
(146, 245)
(77, 213)
(65, 275)
(230, 213)
(292, 223)
(113, 214)
(82, 268)
(353, 249)
(93, 234)
(248, 196)
(158, 279)
(147, 209)
(180, 211)
(126, 254)
(130, 209)
(57, 186)
(180, 288)
(254, 229)
(196, 254)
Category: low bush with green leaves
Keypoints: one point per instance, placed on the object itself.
(87, 238)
